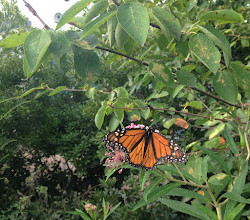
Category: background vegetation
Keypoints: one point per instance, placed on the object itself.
(157, 63)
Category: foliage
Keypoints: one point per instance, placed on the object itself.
(153, 62)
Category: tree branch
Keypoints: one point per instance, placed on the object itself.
(122, 54)
(33, 11)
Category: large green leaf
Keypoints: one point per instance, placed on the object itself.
(184, 208)
(219, 39)
(134, 19)
(96, 23)
(35, 47)
(240, 181)
(152, 186)
(121, 36)
(99, 117)
(14, 40)
(205, 50)
(87, 63)
(206, 210)
(162, 73)
(186, 78)
(167, 22)
(113, 123)
(59, 45)
(95, 10)
(156, 194)
(224, 16)
(72, 12)
(225, 85)
(230, 141)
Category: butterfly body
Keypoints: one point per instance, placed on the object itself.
(145, 148)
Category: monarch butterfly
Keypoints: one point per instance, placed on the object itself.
(145, 148)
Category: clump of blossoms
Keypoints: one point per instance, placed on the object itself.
(132, 125)
(115, 155)
(89, 207)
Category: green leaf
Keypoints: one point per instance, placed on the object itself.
(205, 50)
(59, 44)
(177, 90)
(243, 77)
(143, 177)
(230, 141)
(151, 187)
(72, 12)
(99, 117)
(186, 78)
(29, 91)
(205, 209)
(235, 197)
(162, 73)
(121, 36)
(167, 22)
(167, 124)
(95, 10)
(215, 131)
(240, 181)
(224, 15)
(113, 123)
(218, 182)
(96, 23)
(87, 63)
(156, 95)
(196, 105)
(35, 47)
(226, 86)
(204, 167)
(219, 39)
(184, 208)
(134, 19)
(233, 213)
(156, 194)
(112, 23)
(78, 22)
(122, 92)
(217, 158)
(57, 90)
(14, 40)
(119, 113)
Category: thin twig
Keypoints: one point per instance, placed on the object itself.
(33, 11)
(122, 54)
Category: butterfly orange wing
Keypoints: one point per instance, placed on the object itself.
(167, 149)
